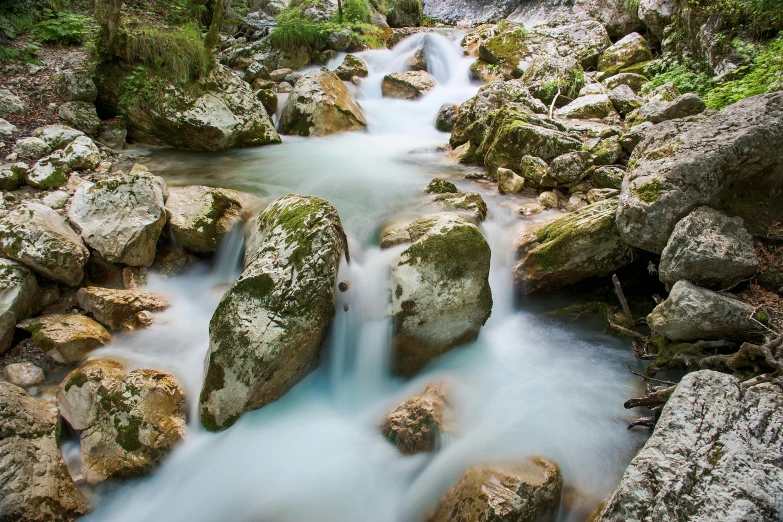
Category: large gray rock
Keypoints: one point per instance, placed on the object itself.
(351, 66)
(708, 249)
(440, 289)
(692, 313)
(624, 99)
(7, 129)
(618, 16)
(40, 238)
(319, 105)
(66, 338)
(200, 216)
(10, 104)
(266, 334)
(121, 217)
(57, 136)
(49, 172)
(590, 107)
(20, 297)
(34, 482)
(570, 168)
(82, 154)
(523, 491)
(659, 111)
(629, 50)
(75, 86)
(731, 161)
(714, 455)
(467, 12)
(128, 421)
(656, 15)
(81, 115)
(219, 112)
(577, 246)
(550, 76)
(32, 148)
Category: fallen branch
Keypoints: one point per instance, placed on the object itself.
(618, 289)
(652, 379)
(552, 106)
(651, 400)
(647, 422)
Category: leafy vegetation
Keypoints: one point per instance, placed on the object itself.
(762, 18)
(178, 52)
(686, 77)
(357, 11)
(62, 28)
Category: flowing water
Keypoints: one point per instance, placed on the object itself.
(529, 385)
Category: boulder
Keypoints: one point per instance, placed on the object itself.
(523, 491)
(410, 85)
(13, 176)
(320, 104)
(24, 374)
(56, 200)
(20, 297)
(708, 249)
(81, 115)
(590, 107)
(624, 99)
(656, 15)
(266, 334)
(509, 183)
(278, 75)
(659, 111)
(536, 171)
(570, 168)
(269, 99)
(57, 136)
(119, 308)
(440, 290)
(632, 80)
(731, 161)
(32, 148)
(10, 104)
(128, 421)
(75, 86)
(714, 455)
(547, 75)
(218, 112)
(441, 186)
(114, 133)
(596, 195)
(82, 154)
(121, 217)
(40, 238)
(447, 117)
(49, 172)
(416, 425)
(663, 93)
(577, 246)
(629, 50)
(255, 71)
(66, 338)
(351, 66)
(513, 136)
(34, 482)
(7, 129)
(470, 204)
(608, 177)
(404, 14)
(418, 61)
(606, 151)
(200, 216)
(618, 16)
(692, 313)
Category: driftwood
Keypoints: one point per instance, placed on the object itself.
(651, 400)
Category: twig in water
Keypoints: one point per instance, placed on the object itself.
(646, 378)
(618, 289)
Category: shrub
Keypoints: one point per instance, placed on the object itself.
(357, 11)
(62, 28)
(686, 77)
(177, 53)
(763, 18)
(293, 29)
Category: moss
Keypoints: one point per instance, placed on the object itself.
(716, 454)
(441, 186)
(507, 47)
(456, 253)
(649, 192)
(761, 316)
(208, 420)
(112, 401)
(128, 434)
(78, 379)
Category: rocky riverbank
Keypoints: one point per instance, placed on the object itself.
(623, 173)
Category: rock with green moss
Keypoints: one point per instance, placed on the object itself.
(550, 76)
(526, 490)
(535, 170)
(470, 204)
(440, 290)
(81, 115)
(731, 161)
(571, 167)
(514, 135)
(129, 421)
(75, 86)
(50, 172)
(634, 81)
(266, 334)
(82, 154)
(629, 50)
(268, 98)
(13, 176)
(404, 14)
(57, 136)
(590, 107)
(657, 15)
(351, 66)
(200, 216)
(40, 238)
(708, 249)
(659, 111)
(509, 182)
(608, 177)
(117, 309)
(31, 148)
(20, 297)
(620, 17)
(441, 186)
(320, 104)
(607, 152)
(577, 246)
(121, 217)
(624, 99)
(692, 313)
(447, 117)
(410, 85)
(36, 485)
(66, 338)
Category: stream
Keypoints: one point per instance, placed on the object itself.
(529, 385)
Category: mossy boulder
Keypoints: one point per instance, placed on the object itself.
(447, 116)
(50, 172)
(606, 152)
(549, 76)
(199, 216)
(519, 491)
(351, 66)
(535, 171)
(441, 186)
(20, 297)
(618, 16)
(410, 85)
(440, 290)
(469, 204)
(267, 332)
(630, 50)
(577, 246)
(731, 161)
(121, 217)
(320, 104)
(81, 115)
(39, 237)
(608, 177)
(514, 135)
(268, 98)
(505, 50)
(624, 99)
(66, 338)
(82, 154)
(634, 81)
(509, 182)
(570, 168)
(129, 421)
(57, 136)
(12, 176)
(31, 148)
(36, 485)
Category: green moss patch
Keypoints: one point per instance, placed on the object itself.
(649, 192)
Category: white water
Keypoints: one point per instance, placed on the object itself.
(527, 386)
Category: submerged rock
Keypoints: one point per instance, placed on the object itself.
(524, 491)
(66, 338)
(577, 246)
(320, 104)
(34, 482)
(417, 424)
(714, 455)
(691, 313)
(267, 332)
(40, 238)
(120, 308)
(20, 297)
(121, 217)
(410, 85)
(440, 290)
(128, 421)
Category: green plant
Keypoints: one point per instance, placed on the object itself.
(686, 77)
(293, 29)
(176, 53)
(762, 18)
(632, 6)
(62, 28)
(139, 85)
(357, 11)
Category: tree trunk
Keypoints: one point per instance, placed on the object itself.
(107, 12)
(210, 42)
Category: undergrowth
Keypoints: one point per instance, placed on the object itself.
(62, 27)
(178, 53)
(761, 18)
